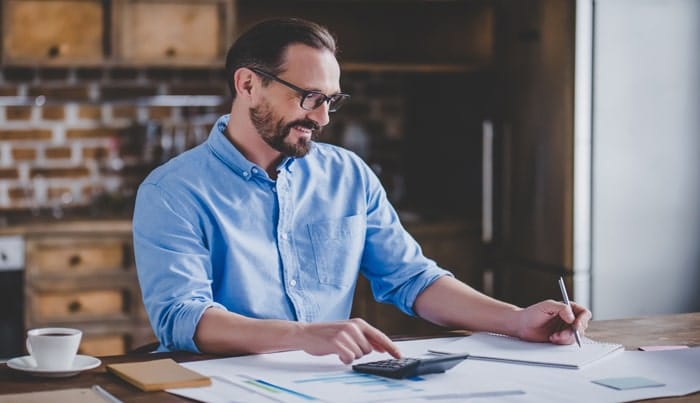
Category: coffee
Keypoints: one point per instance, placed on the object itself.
(56, 334)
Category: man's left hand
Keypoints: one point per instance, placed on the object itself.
(552, 321)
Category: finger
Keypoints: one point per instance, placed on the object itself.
(379, 341)
(583, 317)
(552, 309)
(395, 352)
(382, 342)
(357, 333)
(346, 341)
(565, 336)
(345, 354)
(564, 312)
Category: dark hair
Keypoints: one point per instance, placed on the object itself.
(263, 45)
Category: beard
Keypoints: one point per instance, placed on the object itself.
(275, 131)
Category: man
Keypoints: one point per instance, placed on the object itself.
(252, 241)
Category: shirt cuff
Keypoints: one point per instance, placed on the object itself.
(188, 317)
(413, 294)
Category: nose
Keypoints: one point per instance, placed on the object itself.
(320, 115)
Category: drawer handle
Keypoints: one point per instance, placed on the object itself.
(74, 306)
(54, 51)
(75, 260)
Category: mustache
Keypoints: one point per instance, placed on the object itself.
(305, 123)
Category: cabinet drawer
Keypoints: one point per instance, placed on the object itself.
(79, 305)
(101, 345)
(53, 30)
(185, 31)
(76, 257)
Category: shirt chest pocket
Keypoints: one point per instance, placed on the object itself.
(337, 247)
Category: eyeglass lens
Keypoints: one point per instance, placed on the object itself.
(315, 99)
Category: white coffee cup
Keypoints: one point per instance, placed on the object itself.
(53, 348)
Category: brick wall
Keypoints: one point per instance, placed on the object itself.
(81, 139)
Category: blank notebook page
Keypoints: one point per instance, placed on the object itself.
(496, 347)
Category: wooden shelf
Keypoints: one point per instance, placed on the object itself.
(422, 36)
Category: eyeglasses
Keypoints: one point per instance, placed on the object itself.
(310, 100)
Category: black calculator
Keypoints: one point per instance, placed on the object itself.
(410, 367)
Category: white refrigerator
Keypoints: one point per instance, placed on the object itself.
(644, 150)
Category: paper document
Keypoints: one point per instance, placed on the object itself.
(77, 395)
(496, 347)
(295, 376)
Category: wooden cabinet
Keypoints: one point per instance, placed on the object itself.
(84, 277)
(52, 31)
(185, 32)
(115, 32)
(455, 246)
(385, 35)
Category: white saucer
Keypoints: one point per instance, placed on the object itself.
(27, 364)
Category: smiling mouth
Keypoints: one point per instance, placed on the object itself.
(303, 132)
(303, 129)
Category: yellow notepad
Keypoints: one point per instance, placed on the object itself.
(158, 375)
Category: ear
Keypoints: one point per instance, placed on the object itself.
(243, 80)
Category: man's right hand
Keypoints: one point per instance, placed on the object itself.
(223, 332)
(349, 339)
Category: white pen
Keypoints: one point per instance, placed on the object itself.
(565, 296)
(106, 395)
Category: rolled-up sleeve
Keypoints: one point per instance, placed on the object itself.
(173, 264)
(393, 261)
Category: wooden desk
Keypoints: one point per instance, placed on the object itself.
(634, 332)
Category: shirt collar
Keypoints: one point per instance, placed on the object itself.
(226, 151)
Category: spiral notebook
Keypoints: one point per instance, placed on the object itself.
(496, 347)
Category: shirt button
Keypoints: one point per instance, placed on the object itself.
(274, 189)
(293, 283)
(245, 173)
(255, 170)
(285, 236)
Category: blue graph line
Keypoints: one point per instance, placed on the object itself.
(373, 382)
(280, 388)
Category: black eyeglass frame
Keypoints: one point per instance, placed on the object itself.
(339, 98)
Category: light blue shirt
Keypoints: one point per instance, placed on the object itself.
(211, 229)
